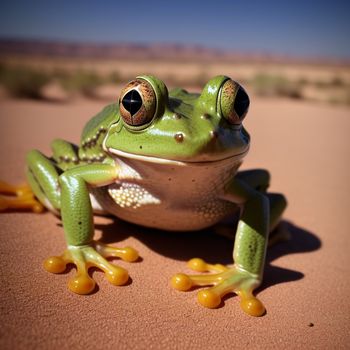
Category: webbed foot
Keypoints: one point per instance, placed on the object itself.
(18, 197)
(224, 280)
(84, 257)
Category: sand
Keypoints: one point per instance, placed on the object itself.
(306, 287)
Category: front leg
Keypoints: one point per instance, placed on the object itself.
(77, 217)
(248, 254)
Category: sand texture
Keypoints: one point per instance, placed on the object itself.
(306, 288)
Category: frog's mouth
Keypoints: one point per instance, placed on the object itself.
(152, 159)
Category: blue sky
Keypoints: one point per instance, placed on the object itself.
(306, 28)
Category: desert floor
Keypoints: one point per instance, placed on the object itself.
(306, 287)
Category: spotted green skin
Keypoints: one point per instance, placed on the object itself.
(63, 183)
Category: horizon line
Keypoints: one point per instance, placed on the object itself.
(243, 53)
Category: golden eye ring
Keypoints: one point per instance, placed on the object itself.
(137, 103)
(234, 102)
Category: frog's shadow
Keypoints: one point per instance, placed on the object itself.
(212, 247)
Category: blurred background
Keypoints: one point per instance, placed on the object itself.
(61, 51)
(62, 61)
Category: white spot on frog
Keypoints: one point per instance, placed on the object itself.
(130, 195)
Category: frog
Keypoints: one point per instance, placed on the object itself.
(163, 160)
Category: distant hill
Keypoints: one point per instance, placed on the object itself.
(160, 51)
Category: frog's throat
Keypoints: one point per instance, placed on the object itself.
(152, 159)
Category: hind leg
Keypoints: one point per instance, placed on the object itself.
(42, 175)
(259, 179)
(43, 190)
(18, 197)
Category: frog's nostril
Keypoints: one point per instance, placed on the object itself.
(179, 137)
(132, 101)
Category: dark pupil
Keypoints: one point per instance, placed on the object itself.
(241, 102)
(132, 101)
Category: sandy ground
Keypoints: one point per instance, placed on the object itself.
(306, 288)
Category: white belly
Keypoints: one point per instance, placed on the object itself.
(167, 196)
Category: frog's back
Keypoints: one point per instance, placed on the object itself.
(183, 95)
(90, 148)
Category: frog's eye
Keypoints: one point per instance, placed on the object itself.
(137, 103)
(234, 102)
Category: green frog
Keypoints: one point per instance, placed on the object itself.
(165, 160)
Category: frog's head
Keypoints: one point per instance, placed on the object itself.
(154, 125)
